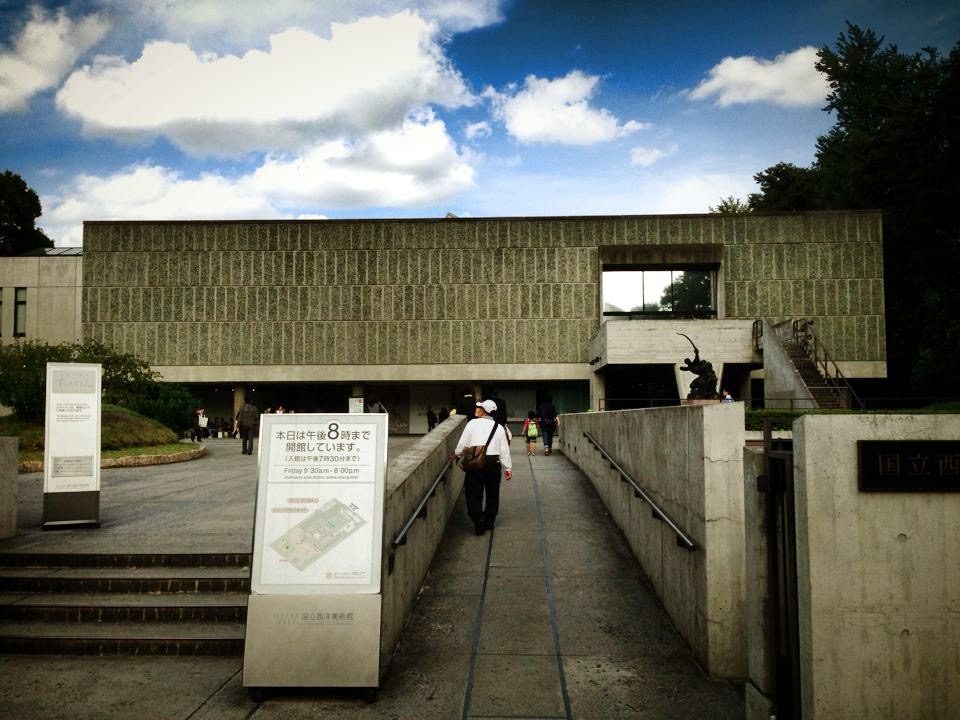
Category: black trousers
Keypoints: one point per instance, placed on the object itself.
(246, 434)
(480, 485)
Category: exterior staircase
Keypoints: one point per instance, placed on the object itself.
(826, 396)
(91, 604)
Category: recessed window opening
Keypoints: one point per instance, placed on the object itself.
(20, 312)
(659, 291)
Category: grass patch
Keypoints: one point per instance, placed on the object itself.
(122, 433)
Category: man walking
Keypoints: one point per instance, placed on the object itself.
(485, 483)
(547, 417)
(247, 418)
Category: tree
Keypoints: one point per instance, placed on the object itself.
(787, 187)
(689, 292)
(127, 380)
(730, 206)
(895, 147)
(19, 210)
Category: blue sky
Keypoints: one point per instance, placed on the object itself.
(137, 109)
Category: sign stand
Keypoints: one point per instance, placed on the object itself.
(71, 446)
(314, 613)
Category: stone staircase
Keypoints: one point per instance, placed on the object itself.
(824, 395)
(109, 604)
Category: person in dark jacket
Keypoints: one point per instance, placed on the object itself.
(247, 419)
(547, 419)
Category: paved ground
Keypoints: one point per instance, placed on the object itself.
(549, 616)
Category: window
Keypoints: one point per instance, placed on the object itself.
(658, 291)
(20, 312)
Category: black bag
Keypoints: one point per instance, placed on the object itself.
(474, 458)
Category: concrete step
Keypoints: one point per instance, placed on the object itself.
(123, 604)
(141, 560)
(121, 607)
(121, 639)
(124, 580)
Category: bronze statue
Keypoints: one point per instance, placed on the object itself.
(704, 386)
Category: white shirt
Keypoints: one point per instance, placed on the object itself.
(476, 433)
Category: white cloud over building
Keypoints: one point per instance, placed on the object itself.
(790, 80)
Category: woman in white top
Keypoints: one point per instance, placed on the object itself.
(486, 482)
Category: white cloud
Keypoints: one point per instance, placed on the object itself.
(789, 80)
(241, 24)
(478, 130)
(414, 165)
(366, 77)
(558, 111)
(44, 52)
(645, 157)
(411, 166)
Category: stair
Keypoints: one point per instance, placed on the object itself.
(810, 373)
(91, 604)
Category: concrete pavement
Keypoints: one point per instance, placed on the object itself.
(549, 616)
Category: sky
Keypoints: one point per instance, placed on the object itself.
(244, 109)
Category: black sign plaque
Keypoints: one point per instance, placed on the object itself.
(909, 465)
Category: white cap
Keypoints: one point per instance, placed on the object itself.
(488, 405)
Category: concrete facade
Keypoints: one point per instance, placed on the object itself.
(456, 300)
(54, 286)
(879, 596)
(690, 460)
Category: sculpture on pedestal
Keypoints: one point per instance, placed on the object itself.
(704, 385)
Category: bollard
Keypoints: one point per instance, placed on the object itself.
(8, 486)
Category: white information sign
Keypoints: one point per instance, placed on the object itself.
(71, 448)
(320, 499)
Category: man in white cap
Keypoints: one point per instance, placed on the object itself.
(484, 430)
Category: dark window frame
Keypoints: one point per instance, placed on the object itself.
(711, 268)
(19, 321)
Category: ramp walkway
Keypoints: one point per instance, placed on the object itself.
(548, 616)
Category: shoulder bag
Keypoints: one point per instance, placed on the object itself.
(474, 458)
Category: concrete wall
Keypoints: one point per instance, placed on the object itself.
(654, 341)
(421, 300)
(758, 689)
(879, 594)
(690, 459)
(54, 289)
(409, 477)
(8, 486)
(782, 385)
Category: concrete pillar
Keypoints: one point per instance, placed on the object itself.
(239, 398)
(8, 486)
(598, 391)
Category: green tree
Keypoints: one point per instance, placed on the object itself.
(19, 210)
(895, 146)
(787, 187)
(689, 292)
(730, 206)
(128, 381)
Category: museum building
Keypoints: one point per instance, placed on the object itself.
(596, 312)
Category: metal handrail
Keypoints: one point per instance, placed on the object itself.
(683, 540)
(421, 511)
(810, 344)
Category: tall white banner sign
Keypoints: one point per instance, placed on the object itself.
(71, 448)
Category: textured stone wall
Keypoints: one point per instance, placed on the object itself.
(396, 292)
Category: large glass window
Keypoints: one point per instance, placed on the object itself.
(681, 291)
(20, 312)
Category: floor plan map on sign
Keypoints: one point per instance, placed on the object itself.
(317, 534)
